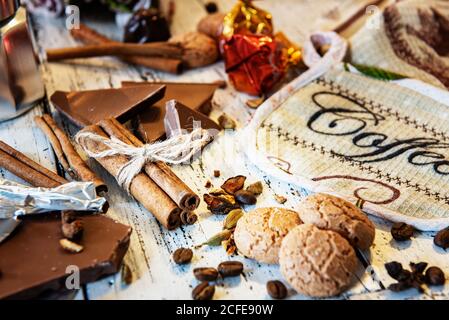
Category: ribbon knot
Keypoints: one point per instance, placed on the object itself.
(175, 150)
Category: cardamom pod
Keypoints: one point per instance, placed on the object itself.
(228, 197)
(231, 219)
(217, 239)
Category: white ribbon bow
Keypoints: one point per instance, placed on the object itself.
(175, 150)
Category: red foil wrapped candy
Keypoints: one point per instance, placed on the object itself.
(254, 63)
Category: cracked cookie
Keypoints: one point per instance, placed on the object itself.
(332, 213)
(317, 263)
(259, 233)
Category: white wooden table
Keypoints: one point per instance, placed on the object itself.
(154, 275)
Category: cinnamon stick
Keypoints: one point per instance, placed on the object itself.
(154, 49)
(25, 168)
(142, 188)
(54, 143)
(90, 36)
(66, 152)
(158, 171)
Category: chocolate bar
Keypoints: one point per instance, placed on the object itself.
(32, 261)
(195, 103)
(89, 107)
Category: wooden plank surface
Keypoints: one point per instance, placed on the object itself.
(154, 274)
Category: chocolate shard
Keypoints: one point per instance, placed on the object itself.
(89, 107)
(197, 96)
(33, 262)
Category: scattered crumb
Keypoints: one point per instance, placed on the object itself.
(70, 246)
(216, 173)
(280, 199)
(208, 184)
(222, 84)
(226, 122)
(255, 103)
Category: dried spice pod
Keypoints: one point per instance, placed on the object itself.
(217, 239)
(205, 274)
(232, 218)
(401, 231)
(203, 291)
(218, 205)
(435, 276)
(442, 239)
(256, 188)
(245, 197)
(234, 184)
(230, 268)
(276, 289)
(182, 255)
(229, 245)
(394, 269)
(418, 267)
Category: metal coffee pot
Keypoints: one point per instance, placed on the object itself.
(20, 80)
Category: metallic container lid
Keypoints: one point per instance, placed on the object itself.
(8, 9)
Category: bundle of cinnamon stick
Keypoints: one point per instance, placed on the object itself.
(66, 153)
(157, 188)
(191, 50)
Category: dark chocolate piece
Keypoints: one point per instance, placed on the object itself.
(33, 262)
(89, 107)
(197, 96)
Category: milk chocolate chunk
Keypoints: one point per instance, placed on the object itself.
(33, 262)
(196, 96)
(89, 107)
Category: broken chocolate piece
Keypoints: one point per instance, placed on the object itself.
(197, 96)
(89, 107)
(36, 241)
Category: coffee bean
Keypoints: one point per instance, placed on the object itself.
(230, 268)
(402, 231)
(205, 274)
(276, 289)
(182, 255)
(442, 239)
(435, 276)
(203, 291)
(245, 197)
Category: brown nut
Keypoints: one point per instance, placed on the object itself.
(70, 246)
(73, 230)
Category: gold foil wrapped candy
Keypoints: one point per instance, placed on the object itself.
(246, 18)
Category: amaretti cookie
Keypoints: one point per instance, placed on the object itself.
(259, 233)
(317, 263)
(332, 213)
